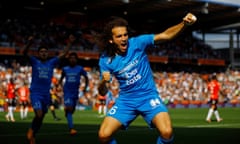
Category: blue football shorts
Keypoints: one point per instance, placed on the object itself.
(126, 110)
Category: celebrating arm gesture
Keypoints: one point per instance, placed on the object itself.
(27, 46)
(71, 39)
(173, 31)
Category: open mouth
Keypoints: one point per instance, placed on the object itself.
(124, 45)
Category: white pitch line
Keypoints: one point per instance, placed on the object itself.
(213, 125)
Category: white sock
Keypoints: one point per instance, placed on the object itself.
(100, 109)
(104, 109)
(21, 113)
(25, 112)
(217, 115)
(209, 115)
(11, 109)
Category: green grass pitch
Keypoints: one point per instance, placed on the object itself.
(189, 128)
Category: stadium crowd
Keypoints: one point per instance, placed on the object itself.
(14, 33)
(174, 87)
(180, 87)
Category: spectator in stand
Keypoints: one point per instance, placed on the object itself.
(42, 73)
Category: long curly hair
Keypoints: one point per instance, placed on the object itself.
(109, 49)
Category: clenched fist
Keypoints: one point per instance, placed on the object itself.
(106, 76)
(190, 19)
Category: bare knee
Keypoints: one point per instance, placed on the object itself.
(104, 136)
(108, 128)
(39, 114)
(167, 133)
(163, 124)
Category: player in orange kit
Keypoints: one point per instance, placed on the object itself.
(11, 99)
(214, 89)
(23, 94)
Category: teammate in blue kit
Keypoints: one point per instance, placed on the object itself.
(72, 75)
(125, 58)
(42, 73)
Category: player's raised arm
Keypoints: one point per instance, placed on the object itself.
(28, 45)
(173, 31)
(67, 48)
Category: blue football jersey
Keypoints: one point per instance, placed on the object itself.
(42, 73)
(132, 69)
(72, 79)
